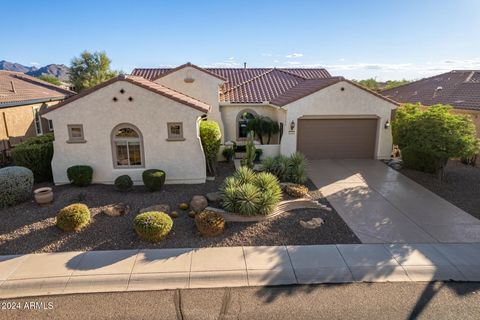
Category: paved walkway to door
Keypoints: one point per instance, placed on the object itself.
(383, 206)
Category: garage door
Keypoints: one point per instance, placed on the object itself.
(337, 138)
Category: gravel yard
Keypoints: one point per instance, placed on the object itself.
(461, 186)
(28, 228)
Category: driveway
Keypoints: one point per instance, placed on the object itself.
(383, 206)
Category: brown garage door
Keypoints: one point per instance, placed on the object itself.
(337, 138)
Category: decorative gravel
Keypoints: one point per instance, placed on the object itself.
(461, 185)
(28, 228)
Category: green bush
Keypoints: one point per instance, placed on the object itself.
(228, 153)
(73, 217)
(429, 138)
(123, 183)
(16, 185)
(153, 179)
(36, 154)
(153, 226)
(210, 223)
(249, 193)
(211, 136)
(80, 176)
(287, 169)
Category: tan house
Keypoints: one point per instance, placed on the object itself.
(21, 97)
(151, 119)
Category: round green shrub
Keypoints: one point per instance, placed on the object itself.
(153, 179)
(80, 176)
(16, 185)
(153, 226)
(73, 217)
(249, 193)
(36, 154)
(123, 183)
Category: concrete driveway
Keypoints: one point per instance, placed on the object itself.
(383, 206)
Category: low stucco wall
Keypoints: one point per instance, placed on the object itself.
(332, 101)
(269, 150)
(183, 161)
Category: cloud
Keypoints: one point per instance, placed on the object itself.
(294, 55)
(293, 63)
(267, 55)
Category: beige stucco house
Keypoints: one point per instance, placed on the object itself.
(151, 119)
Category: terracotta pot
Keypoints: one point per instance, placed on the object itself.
(43, 196)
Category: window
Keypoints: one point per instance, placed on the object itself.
(175, 131)
(75, 133)
(242, 121)
(127, 146)
(38, 122)
(50, 125)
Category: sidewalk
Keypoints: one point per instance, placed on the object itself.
(133, 270)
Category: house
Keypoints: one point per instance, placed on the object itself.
(150, 119)
(21, 97)
(458, 88)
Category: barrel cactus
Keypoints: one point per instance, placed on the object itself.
(210, 223)
(16, 185)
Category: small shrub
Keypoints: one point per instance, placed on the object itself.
(210, 223)
(296, 190)
(36, 154)
(153, 179)
(228, 153)
(258, 154)
(80, 176)
(123, 183)
(73, 217)
(211, 136)
(287, 169)
(249, 193)
(153, 226)
(419, 160)
(16, 185)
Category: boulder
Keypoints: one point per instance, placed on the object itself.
(214, 196)
(115, 210)
(157, 207)
(198, 203)
(314, 223)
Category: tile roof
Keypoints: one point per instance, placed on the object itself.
(250, 85)
(18, 87)
(458, 88)
(144, 83)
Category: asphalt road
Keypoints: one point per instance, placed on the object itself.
(349, 301)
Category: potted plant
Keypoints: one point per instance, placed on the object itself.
(228, 153)
(43, 196)
(258, 154)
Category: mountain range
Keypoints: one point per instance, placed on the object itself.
(57, 70)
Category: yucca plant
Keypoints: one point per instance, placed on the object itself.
(297, 168)
(248, 199)
(244, 175)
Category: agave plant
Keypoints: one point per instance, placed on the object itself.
(244, 175)
(297, 168)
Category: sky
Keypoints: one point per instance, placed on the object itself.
(385, 40)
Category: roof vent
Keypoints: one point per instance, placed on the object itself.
(13, 87)
(244, 65)
(439, 88)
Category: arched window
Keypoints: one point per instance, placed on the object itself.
(127, 146)
(242, 121)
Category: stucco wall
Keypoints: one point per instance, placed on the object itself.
(331, 101)
(204, 88)
(231, 111)
(183, 161)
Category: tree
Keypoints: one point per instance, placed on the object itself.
(429, 138)
(50, 79)
(90, 69)
(390, 84)
(263, 126)
(374, 85)
(371, 84)
(210, 135)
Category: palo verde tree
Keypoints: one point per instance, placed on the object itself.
(90, 69)
(429, 138)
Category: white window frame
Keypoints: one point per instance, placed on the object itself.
(50, 124)
(37, 120)
(114, 140)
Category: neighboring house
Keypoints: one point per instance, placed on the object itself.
(21, 97)
(151, 118)
(458, 88)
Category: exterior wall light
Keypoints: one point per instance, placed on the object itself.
(387, 124)
(292, 125)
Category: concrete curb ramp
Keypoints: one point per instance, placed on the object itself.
(157, 269)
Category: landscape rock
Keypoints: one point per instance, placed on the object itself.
(314, 223)
(198, 203)
(115, 210)
(157, 207)
(214, 196)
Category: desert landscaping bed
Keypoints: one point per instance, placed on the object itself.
(28, 228)
(461, 186)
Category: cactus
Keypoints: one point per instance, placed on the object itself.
(250, 155)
